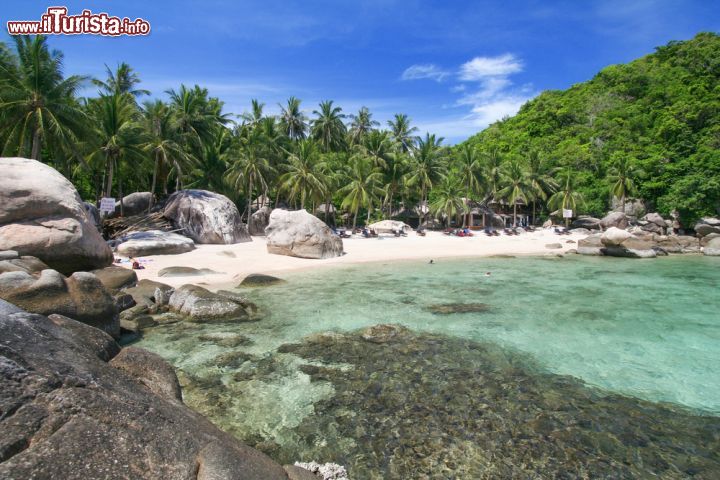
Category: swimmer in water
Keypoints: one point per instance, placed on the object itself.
(431, 261)
(487, 274)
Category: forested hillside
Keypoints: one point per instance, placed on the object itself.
(658, 116)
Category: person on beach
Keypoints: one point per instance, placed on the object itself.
(136, 265)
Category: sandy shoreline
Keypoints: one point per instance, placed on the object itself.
(234, 262)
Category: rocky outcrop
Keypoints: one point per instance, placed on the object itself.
(10, 261)
(69, 413)
(712, 248)
(299, 234)
(634, 208)
(654, 223)
(42, 215)
(614, 219)
(150, 293)
(206, 217)
(259, 221)
(153, 242)
(202, 305)
(80, 296)
(707, 226)
(621, 243)
(134, 204)
(260, 280)
(586, 222)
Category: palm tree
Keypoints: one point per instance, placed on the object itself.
(303, 178)
(402, 132)
(292, 120)
(377, 147)
(362, 186)
(621, 177)
(328, 128)
(256, 113)
(396, 164)
(251, 166)
(163, 144)
(38, 107)
(118, 136)
(469, 170)
(448, 200)
(197, 116)
(428, 167)
(567, 197)
(517, 186)
(361, 125)
(123, 80)
(541, 183)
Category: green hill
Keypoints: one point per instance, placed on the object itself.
(662, 111)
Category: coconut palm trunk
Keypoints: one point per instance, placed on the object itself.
(249, 199)
(35, 154)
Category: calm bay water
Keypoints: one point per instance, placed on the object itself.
(614, 341)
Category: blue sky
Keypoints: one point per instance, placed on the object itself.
(452, 66)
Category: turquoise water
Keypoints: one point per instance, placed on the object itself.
(646, 330)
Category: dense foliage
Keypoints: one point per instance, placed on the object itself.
(647, 129)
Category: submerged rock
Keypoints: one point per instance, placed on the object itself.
(553, 245)
(449, 308)
(432, 406)
(260, 280)
(42, 215)
(382, 333)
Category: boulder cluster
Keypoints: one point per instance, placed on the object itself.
(619, 235)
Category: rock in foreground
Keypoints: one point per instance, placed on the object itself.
(81, 296)
(65, 412)
(206, 217)
(42, 215)
(203, 305)
(299, 234)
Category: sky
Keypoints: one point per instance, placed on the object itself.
(453, 67)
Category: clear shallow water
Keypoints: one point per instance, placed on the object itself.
(643, 329)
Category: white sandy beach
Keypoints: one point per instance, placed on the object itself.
(236, 261)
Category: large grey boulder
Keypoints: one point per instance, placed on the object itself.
(149, 292)
(677, 243)
(206, 217)
(42, 215)
(22, 264)
(299, 234)
(134, 204)
(707, 225)
(153, 242)
(614, 219)
(712, 248)
(80, 296)
(621, 243)
(75, 407)
(259, 221)
(634, 208)
(202, 305)
(586, 222)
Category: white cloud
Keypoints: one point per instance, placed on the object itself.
(428, 70)
(480, 68)
(458, 88)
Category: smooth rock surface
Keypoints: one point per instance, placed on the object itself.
(206, 217)
(77, 417)
(201, 305)
(390, 226)
(586, 222)
(614, 219)
(42, 215)
(614, 237)
(153, 242)
(299, 234)
(712, 249)
(185, 272)
(145, 291)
